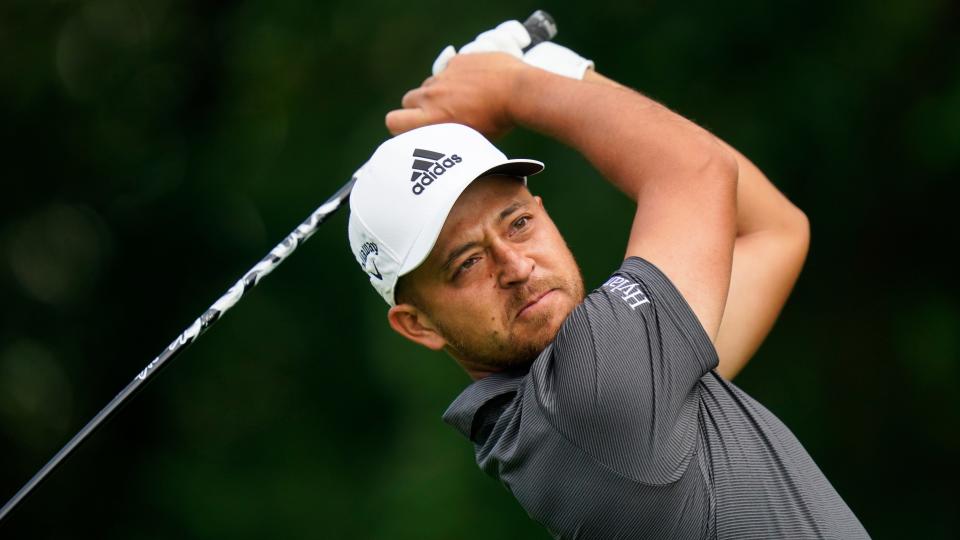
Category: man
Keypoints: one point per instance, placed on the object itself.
(607, 415)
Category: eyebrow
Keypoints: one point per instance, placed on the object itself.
(456, 253)
(509, 210)
(513, 207)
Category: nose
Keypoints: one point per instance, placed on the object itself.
(515, 266)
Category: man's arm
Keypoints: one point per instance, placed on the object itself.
(683, 179)
(773, 237)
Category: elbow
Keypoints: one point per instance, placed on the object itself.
(716, 162)
(793, 231)
(715, 173)
(728, 164)
(801, 232)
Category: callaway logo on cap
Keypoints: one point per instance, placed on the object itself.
(366, 250)
(404, 192)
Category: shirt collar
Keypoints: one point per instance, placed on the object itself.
(461, 412)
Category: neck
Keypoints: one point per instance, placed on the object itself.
(477, 369)
(474, 370)
(477, 374)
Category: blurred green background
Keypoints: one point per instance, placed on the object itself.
(153, 150)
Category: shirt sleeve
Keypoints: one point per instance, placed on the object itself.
(620, 380)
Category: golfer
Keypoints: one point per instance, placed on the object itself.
(608, 413)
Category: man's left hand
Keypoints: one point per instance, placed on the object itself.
(473, 89)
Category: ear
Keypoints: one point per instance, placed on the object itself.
(539, 200)
(413, 324)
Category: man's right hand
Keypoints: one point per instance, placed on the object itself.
(473, 89)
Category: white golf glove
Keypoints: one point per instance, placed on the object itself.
(511, 37)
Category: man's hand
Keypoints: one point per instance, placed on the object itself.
(511, 37)
(508, 37)
(474, 89)
(451, 95)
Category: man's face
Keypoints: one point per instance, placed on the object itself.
(500, 280)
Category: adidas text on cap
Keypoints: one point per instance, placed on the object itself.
(405, 191)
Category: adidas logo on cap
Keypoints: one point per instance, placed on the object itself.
(430, 167)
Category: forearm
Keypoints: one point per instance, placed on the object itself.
(760, 206)
(773, 237)
(630, 139)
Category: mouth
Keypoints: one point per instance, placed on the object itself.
(534, 303)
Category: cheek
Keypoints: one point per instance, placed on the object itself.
(552, 249)
(473, 310)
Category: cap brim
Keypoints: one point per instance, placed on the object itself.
(520, 168)
(515, 167)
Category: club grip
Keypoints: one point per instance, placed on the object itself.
(541, 28)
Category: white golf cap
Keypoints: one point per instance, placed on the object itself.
(404, 192)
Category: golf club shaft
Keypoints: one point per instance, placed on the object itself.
(188, 336)
(540, 26)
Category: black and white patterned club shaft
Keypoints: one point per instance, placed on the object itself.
(266, 265)
(188, 336)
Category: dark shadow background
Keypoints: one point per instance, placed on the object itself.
(154, 150)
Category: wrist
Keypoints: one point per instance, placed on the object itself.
(527, 87)
(558, 59)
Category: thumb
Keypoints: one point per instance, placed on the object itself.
(401, 120)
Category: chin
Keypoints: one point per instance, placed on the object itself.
(555, 319)
(548, 331)
(526, 346)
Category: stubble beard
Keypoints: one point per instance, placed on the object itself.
(497, 353)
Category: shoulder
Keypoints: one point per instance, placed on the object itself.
(620, 379)
(635, 305)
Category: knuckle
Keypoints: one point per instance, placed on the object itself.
(409, 98)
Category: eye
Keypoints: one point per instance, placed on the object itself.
(521, 222)
(465, 265)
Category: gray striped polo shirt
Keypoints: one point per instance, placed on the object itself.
(621, 428)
